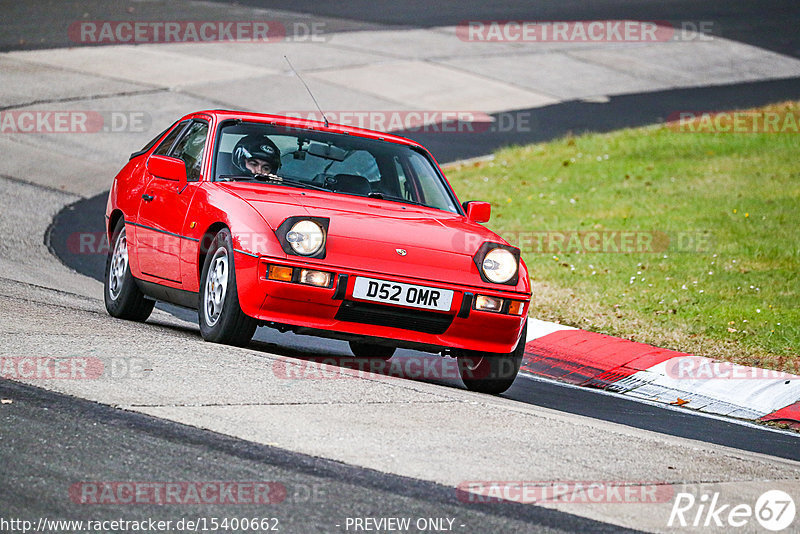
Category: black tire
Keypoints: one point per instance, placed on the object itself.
(123, 298)
(220, 316)
(362, 349)
(490, 372)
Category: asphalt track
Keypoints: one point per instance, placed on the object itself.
(524, 126)
(770, 24)
(49, 441)
(86, 216)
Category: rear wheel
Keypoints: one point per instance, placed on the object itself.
(122, 296)
(490, 372)
(221, 318)
(361, 349)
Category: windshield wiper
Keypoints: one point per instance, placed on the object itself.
(381, 196)
(275, 179)
(271, 178)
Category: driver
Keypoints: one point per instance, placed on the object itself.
(256, 155)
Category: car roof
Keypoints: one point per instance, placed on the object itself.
(281, 120)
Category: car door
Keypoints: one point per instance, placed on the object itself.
(163, 208)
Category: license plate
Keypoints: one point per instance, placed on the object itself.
(427, 298)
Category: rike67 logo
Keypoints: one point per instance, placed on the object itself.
(774, 510)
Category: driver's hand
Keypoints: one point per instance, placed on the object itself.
(268, 177)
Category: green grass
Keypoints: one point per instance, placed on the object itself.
(735, 297)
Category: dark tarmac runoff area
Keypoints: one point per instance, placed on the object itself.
(53, 448)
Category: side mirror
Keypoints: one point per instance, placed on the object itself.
(478, 212)
(169, 169)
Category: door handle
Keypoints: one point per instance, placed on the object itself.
(147, 198)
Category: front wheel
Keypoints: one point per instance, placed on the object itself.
(221, 318)
(490, 372)
(123, 298)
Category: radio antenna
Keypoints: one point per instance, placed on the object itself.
(307, 89)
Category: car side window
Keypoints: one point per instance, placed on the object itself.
(433, 191)
(146, 148)
(190, 148)
(166, 144)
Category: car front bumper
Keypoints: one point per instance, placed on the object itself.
(334, 311)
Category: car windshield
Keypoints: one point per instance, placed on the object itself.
(340, 163)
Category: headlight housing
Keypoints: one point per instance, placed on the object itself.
(304, 236)
(498, 264)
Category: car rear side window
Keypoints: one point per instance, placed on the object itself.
(169, 140)
(190, 147)
(146, 148)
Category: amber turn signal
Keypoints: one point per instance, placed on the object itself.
(279, 272)
(516, 306)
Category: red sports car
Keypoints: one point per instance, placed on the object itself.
(319, 229)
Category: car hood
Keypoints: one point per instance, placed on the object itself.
(380, 236)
